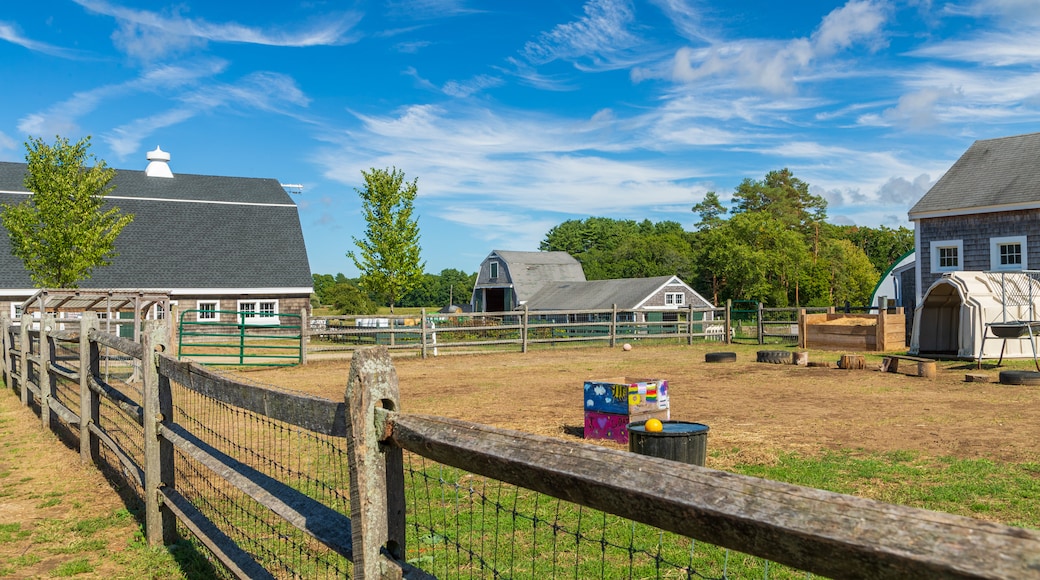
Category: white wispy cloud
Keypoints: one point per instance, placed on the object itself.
(63, 118)
(148, 35)
(260, 91)
(10, 33)
(686, 18)
(773, 65)
(471, 86)
(601, 40)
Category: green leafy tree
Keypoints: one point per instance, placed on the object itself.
(388, 256)
(710, 211)
(62, 232)
(882, 245)
(346, 298)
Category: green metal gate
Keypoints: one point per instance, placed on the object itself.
(744, 319)
(233, 338)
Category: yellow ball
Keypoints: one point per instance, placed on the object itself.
(654, 425)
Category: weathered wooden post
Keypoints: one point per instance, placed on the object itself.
(89, 401)
(26, 348)
(802, 329)
(5, 347)
(728, 321)
(44, 381)
(689, 325)
(160, 522)
(525, 317)
(422, 333)
(761, 325)
(613, 325)
(376, 471)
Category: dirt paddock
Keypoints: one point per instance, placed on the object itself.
(754, 410)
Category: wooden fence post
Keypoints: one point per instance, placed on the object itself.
(422, 333)
(5, 348)
(524, 329)
(43, 373)
(160, 522)
(802, 339)
(89, 401)
(689, 325)
(26, 348)
(613, 325)
(761, 325)
(729, 320)
(376, 471)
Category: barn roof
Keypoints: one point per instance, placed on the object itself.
(528, 272)
(191, 231)
(626, 293)
(992, 175)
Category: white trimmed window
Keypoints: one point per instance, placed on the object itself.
(674, 298)
(207, 310)
(259, 311)
(493, 267)
(947, 256)
(1008, 253)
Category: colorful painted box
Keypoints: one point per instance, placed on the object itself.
(606, 426)
(626, 396)
(610, 405)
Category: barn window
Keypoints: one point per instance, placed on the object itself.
(494, 270)
(1008, 253)
(259, 311)
(207, 310)
(946, 255)
(674, 298)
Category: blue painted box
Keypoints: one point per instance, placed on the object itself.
(626, 396)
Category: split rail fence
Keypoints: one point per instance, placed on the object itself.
(278, 484)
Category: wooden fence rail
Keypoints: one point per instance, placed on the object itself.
(821, 532)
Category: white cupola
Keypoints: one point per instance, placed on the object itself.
(158, 164)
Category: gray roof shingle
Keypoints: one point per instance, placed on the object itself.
(992, 175)
(627, 293)
(192, 231)
(530, 271)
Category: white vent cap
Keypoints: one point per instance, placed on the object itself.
(158, 165)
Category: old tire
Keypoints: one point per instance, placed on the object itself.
(714, 357)
(777, 357)
(1019, 378)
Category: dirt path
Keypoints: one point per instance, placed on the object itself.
(754, 410)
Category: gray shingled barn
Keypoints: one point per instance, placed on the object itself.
(219, 243)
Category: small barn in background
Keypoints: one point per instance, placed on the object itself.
(546, 282)
(508, 279)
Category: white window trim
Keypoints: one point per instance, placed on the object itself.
(934, 246)
(216, 310)
(257, 318)
(994, 253)
(675, 298)
(493, 269)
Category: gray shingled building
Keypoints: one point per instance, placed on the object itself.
(983, 214)
(211, 243)
(554, 281)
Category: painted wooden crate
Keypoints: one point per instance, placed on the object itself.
(610, 405)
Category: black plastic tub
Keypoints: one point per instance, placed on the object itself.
(678, 441)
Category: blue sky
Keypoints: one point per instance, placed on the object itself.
(517, 116)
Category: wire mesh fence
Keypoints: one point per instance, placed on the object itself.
(461, 525)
